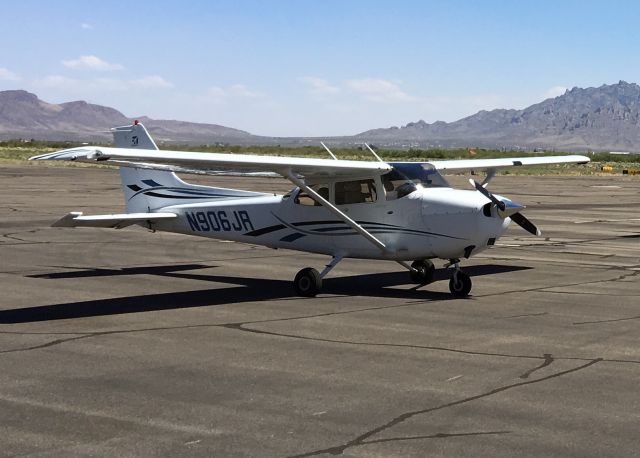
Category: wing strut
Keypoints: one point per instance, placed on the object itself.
(329, 151)
(336, 211)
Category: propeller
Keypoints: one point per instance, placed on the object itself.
(511, 211)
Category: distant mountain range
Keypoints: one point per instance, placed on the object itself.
(602, 118)
(599, 119)
(24, 115)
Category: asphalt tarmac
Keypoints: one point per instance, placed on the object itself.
(130, 343)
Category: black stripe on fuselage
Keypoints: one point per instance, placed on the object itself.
(265, 230)
(372, 227)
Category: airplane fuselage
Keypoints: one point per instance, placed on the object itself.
(429, 223)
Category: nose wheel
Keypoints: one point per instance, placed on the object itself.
(460, 283)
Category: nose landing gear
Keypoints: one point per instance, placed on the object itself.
(460, 283)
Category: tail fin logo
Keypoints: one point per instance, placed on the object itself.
(134, 140)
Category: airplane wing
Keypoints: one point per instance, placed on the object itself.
(502, 163)
(76, 219)
(313, 170)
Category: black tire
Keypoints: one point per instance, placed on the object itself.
(424, 272)
(461, 287)
(307, 282)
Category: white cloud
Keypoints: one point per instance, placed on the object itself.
(379, 90)
(235, 90)
(151, 82)
(216, 91)
(555, 91)
(240, 90)
(101, 85)
(86, 26)
(90, 63)
(7, 75)
(319, 85)
(57, 82)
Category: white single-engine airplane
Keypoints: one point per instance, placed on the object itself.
(398, 211)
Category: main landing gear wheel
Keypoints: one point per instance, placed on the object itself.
(422, 272)
(460, 284)
(307, 282)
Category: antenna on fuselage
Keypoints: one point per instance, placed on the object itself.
(329, 151)
(373, 152)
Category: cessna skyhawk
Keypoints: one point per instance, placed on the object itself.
(397, 211)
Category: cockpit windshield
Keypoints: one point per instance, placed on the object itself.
(406, 177)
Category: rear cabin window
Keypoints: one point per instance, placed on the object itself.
(355, 192)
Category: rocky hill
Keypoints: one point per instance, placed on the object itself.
(602, 118)
(24, 115)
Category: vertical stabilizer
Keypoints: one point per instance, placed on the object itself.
(134, 136)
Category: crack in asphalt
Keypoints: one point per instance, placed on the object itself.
(544, 289)
(548, 359)
(52, 343)
(243, 327)
(12, 236)
(86, 334)
(361, 440)
(613, 320)
(524, 243)
(435, 436)
(524, 315)
(589, 293)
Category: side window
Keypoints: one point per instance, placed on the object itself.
(397, 187)
(355, 192)
(305, 199)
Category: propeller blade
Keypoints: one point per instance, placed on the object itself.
(525, 224)
(498, 203)
(516, 217)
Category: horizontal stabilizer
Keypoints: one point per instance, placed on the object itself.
(76, 219)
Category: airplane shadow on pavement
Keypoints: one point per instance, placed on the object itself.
(380, 285)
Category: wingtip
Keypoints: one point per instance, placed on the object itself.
(38, 157)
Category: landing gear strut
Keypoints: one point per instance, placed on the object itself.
(460, 283)
(308, 281)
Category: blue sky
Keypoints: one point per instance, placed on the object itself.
(315, 67)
